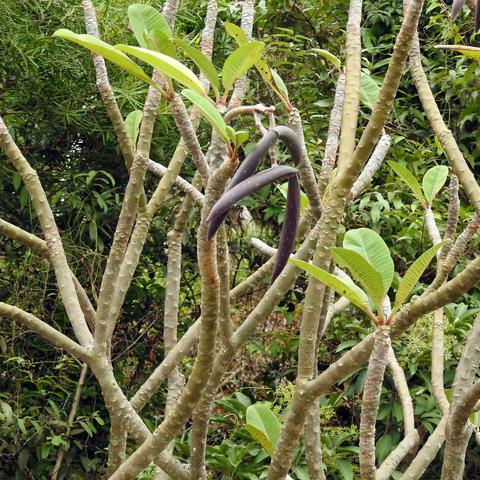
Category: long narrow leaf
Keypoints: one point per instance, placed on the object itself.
(371, 246)
(362, 272)
(409, 179)
(202, 62)
(236, 33)
(351, 292)
(412, 276)
(433, 181)
(132, 124)
(167, 65)
(107, 51)
(209, 111)
(144, 19)
(159, 41)
(289, 228)
(239, 61)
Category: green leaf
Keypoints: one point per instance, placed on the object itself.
(144, 18)
(267, 75)
(167, 65)
(363, 273)
(107, 51)
(412, 276)
(209, 111)
(328, 56)
(433, 181)
(263, 425)
(371, 246)
(239, 61)
(369, 90)
(470, 52)
(241, 136)
(345, 469)
(348, 290)
(236, 33)
(132, 124)
(280, 85)
(304, 202)
(408, 178)
(159, 41)
(202, 62)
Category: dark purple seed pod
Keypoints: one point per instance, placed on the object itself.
(289, 228)
(290, 139)
(243, 190)
(457, 6)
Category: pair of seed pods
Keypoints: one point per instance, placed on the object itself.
(246, 181)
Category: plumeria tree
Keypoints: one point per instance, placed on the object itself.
(361, 271)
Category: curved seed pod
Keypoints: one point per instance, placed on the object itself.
(289, 228)
(251, 162)
(457, 6)
(242, 190)
(290, 139)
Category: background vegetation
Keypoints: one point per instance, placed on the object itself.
(48, 97)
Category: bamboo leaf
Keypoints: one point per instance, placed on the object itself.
(408, 178)
(371, 246)
(159, 41)
(263, 425)
(144, 19)
(202, 62)
(363, 273)
(350, 291)
(132, 124)
(209, 111)
(412, 276)
(107, 51)
(239, 61)
(433, 181)
(236, 33)
(167, 65)
(470, 52)
(328, 56)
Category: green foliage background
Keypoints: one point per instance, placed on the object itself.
(49, 100)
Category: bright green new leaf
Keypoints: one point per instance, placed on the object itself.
(328, 56)
(304, 202)
(231, 134)
(409, 179)
(167, 65)
(239, 61)
(363, 273)
(159, 41)
(241, 136)
(370, 245)
(470, 52)
(236, 33)
(132, 124)
(107, 51)
(369, 90)
(263, 425)
(209, 111)
(433, 181)
(350, 291)
(413, 274)
(280, 84)
(202, 62)
(144, 18)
